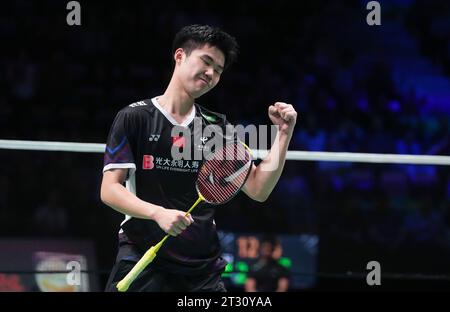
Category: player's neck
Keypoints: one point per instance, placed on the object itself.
(176, 101)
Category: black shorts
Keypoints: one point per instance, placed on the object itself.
(153, 279)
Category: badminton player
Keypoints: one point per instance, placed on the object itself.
(153, 190)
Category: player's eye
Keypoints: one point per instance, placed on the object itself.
(209, 63)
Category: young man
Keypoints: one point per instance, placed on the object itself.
(159, 189)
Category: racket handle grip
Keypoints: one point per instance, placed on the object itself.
(146, 259)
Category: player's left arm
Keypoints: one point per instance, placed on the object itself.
(264, 177)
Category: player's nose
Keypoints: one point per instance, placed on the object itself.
(209, 72)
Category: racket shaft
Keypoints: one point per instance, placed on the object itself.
(147, 258)
(199, 199)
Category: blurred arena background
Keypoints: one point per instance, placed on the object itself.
(356, 88)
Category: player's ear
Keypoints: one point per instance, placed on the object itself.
(178, 55)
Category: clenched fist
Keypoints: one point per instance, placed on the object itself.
(284, 116)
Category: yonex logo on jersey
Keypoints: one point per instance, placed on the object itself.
(147, 162)
(178, 141)
(140, 103)
(154, 137)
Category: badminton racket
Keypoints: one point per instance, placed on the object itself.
(219, 180)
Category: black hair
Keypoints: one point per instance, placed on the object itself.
(196, 36)
(271, 239)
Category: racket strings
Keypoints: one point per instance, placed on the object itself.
(222, 176)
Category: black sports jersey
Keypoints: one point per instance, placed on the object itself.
(267, 273)
(140, 140)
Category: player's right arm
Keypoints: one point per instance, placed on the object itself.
(115, 195)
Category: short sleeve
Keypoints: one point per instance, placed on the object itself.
(119, 152)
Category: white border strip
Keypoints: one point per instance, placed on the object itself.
(291, 155)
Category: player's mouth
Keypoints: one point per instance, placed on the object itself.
(204, 80)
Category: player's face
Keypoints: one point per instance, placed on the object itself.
(200, 71)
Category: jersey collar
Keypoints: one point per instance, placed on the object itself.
(169, 117)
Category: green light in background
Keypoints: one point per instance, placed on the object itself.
(286, 262)
(228, 270)
(241, 266)
(240, 278)
(229, 267)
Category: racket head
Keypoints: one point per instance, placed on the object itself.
(222, 176)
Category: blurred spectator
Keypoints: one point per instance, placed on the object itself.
(267, 275)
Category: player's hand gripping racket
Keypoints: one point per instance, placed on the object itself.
(220, 178)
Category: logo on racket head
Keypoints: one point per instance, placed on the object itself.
(211, 178)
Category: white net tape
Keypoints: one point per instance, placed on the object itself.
(291, 155)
